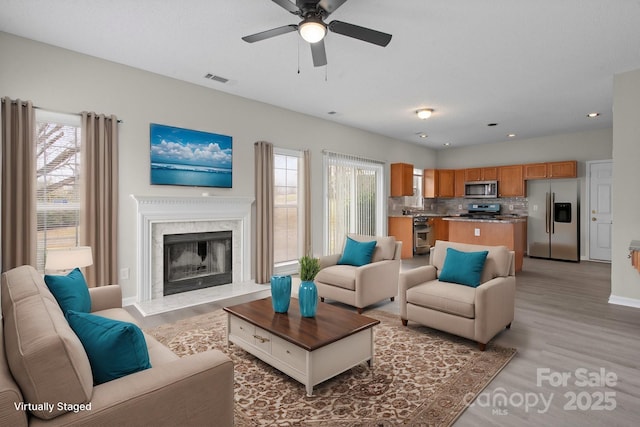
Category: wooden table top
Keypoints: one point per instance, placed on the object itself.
(329, 325)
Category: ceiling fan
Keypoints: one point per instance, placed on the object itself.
(312, 28)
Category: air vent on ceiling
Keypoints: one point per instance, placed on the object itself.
(216, 78)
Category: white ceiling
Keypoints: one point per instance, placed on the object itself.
(534, 67)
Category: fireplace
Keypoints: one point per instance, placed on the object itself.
(160, 216)
(196, 261)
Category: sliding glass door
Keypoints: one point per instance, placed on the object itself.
(353, 198)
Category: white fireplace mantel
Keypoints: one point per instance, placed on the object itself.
(153, 210)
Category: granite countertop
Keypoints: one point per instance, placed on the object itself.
(500, 220)
(634, 245)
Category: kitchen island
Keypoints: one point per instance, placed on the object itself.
(507, 231)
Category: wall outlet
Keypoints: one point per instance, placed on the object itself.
(476, 232)
(460, 207)
(510, 207)
(124, 273)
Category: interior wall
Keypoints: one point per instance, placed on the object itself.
(65, 81)
(625, 280)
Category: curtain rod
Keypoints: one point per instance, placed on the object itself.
(63, 112)
(13, 101)
(382, 162)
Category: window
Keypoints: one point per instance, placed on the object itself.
(353, 198)
(58, 139)
(288, 210)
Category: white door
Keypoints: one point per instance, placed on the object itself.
(600, 215)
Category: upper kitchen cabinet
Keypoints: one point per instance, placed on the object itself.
(481, 174)
(401, 179)
(511, 181)
(535, 171)
(439, 183)
(565, 169)
(459, 180)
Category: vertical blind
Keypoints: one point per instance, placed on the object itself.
(353, 202)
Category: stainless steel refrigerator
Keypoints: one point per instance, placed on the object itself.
(553, 226)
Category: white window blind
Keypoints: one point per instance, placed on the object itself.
(353, 198)
(58, 139)
(288, 209)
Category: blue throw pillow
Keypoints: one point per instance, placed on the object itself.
(71, 291)
(115, 349)
(357, 253)
(464, 268)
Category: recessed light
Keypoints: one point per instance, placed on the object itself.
(511, 135)
(593, 115)
(422, 134)
(447, 144)
(492, 124)
(332, 112)
(424, 113)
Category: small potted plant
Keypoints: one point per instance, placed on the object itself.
(308, 292)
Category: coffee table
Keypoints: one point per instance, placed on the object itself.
(309, 350)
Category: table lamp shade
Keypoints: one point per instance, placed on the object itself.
(68, 258)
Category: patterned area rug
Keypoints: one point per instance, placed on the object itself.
(420, 377)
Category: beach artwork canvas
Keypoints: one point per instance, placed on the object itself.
(190, 157)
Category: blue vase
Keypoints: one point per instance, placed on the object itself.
(308, 298)
(280, 293)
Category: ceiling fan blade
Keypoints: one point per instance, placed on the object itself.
(360, 33)
(270, 33)
(287, 5)
(319, 54)
(331, 5)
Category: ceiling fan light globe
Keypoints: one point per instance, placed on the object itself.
(312, 31)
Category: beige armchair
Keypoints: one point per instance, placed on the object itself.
(364, 285)
(474, 313)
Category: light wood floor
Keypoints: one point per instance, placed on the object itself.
(563, 326)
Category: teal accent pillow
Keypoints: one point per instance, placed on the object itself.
(115, 349)
(71, 291)
(464, 268)
(357, 253)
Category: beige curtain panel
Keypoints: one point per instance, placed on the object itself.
(99, 217)
(307, 244)
(19, 231)
(264, 210)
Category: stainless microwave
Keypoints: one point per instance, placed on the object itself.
(481, 189)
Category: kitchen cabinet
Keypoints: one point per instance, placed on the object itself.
(564, 169)
(511, 181)
(567, 169)
(439, 230)
(401, 227)
(438, 183)
(401, 179)
(535, 171)
(481, 174)
(459, 180)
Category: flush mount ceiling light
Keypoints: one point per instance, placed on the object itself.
(593, 115)
(424, 113)
(312, 30)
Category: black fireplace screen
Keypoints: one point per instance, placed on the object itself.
(196, 260)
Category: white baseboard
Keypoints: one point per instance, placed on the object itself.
(629, 302)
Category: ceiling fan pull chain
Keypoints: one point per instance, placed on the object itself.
(298, 56)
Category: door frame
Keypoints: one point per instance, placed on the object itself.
(587, 209)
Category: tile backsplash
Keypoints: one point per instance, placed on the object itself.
(456, 206)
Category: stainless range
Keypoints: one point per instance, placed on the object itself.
(421, 232)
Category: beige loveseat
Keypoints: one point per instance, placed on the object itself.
(43, 366)
(364, 285)
(474, 313)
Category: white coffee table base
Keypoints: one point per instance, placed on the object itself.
(308, 367)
